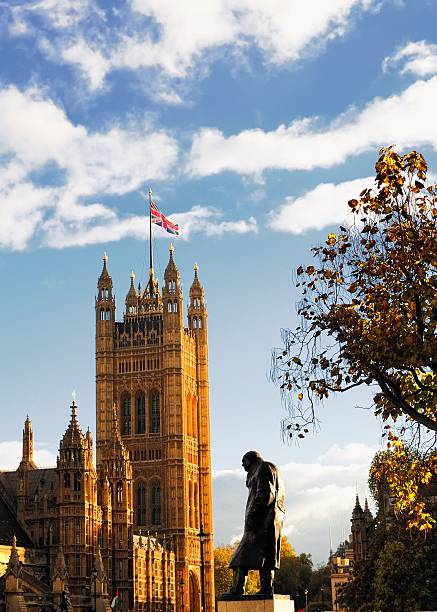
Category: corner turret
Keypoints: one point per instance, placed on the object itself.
(197, 316)
(27, 462)
(131, 298)
(172, 296)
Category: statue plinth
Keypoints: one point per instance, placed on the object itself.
(255, 603)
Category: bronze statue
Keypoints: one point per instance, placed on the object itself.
(261, 543)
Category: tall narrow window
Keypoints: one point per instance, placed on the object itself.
(141, 503)
(119, 492)
(141, 414)
(155, 413)
(156, 503)
(67, 480)
(125, 416)
(77, 481)
(77, 531)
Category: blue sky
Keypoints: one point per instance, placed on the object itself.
(254, 123)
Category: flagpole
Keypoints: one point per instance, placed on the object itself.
(150, 234)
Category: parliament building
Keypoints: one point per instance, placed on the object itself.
(136, 523)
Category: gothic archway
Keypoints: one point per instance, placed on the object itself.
(194, 592)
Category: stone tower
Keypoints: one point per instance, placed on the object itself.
(80, 517)
(155, 371)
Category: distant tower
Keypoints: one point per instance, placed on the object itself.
(79, 515)
(362, 521)
(115, 479)
(155, 370)
(27, 457)
(26, 464)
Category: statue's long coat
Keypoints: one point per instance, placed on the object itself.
(260, 545)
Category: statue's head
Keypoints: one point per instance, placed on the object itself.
(250, 459)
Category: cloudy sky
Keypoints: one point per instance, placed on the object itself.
(254, 123)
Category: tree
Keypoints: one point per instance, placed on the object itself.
(369, 311)
(294, 574)
(399, 569)
(223, 573)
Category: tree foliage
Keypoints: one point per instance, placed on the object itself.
(368, 311)
(293, 575)
(398, 572)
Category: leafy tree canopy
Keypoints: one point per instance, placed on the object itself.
(368, 313)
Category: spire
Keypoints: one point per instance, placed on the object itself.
(196, 289)
(171, 272)
(105, 278)
(73, 437)
(367, 514)
(357, 511)
(14, 560)
(27, 457)
(131, 297)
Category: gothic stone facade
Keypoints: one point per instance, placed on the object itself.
(139, 522)
(155, 371)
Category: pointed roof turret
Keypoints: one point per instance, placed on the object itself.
(367, 514)
(196, 289)
(171, 271)
(105, 278)
(27, 462)
(131, 297)
(73, 436)
(14, 564)
(357, 511)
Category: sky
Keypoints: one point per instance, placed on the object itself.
(254, 123)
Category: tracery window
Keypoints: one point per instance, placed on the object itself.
(156, 503)
(155, 413)
(141, 503)
(126, 415)
(140, 414)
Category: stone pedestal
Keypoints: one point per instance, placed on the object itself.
(255, 603)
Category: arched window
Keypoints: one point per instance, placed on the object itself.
(194, 322)
(119, 492)
(190, 504)
(108, 315)
(200, 323)
(196, 506)
(125, 415)
(193, 416)
(156, 503)
(169, 307)
(140, 414)
(77, 481)
(141, 503)
(155, 413)
(102, 314)
(67, 480)
(175, 306)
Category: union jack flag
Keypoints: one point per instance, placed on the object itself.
(162, 221)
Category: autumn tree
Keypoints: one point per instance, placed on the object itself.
(399, 569)
(368, 312)
(293, 575)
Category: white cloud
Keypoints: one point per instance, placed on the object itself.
(198, 220)
(417, 58)
(406, 119)
(60, 13)
(178, 38)
(36, 135)
(11, 453)
(319, 497)
(324, 205)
